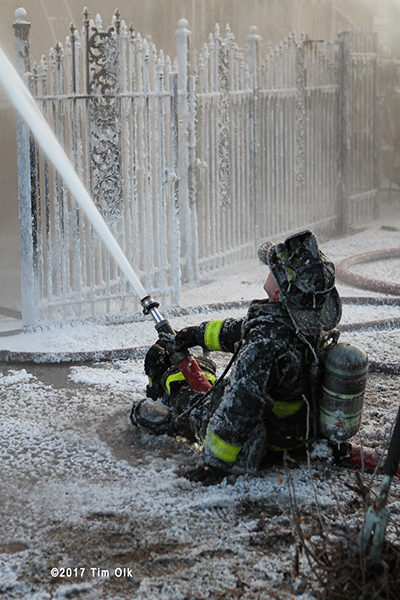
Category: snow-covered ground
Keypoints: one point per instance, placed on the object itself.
(105, 504)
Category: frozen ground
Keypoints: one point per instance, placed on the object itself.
(83, 492)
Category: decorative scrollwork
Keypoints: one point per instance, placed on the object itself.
(224, 169)
(103, 88)
(103, 56)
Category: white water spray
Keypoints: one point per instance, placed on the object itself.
(29, 111)
(26, 106)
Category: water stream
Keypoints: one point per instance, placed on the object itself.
(30, 113)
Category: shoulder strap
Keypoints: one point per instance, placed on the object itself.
(315, 370)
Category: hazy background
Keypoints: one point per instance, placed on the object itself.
(158, 19)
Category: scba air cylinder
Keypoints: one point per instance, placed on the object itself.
(344, 377)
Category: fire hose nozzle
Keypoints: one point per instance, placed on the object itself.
(180, 357)
(149, 304)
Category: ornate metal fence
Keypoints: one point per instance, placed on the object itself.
(360, 127)
(299, 97)
(284, 142)
(191, 165)
(111, 98)
(225, 144)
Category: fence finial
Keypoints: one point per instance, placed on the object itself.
(253, 32)
(20, 15)
(253, 41)
(183, 24)
(21, 41)
(182, 35)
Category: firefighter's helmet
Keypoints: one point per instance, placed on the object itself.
(306, 281)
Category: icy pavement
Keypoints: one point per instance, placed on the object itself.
(104, 505)
(85, 493)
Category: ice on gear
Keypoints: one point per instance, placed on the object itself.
(306, 281)
(268, 402)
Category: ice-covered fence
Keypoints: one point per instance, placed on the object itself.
(280, 140)
(319, 199)
(360, 125)
(191, 165)
(111, 98)
(225, 145)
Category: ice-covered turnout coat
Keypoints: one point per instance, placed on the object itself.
(265, 404)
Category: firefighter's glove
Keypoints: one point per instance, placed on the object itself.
(206, 474)
(188, 337)
(168, 340)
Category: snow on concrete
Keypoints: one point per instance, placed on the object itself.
(382, 346)
(92, 337)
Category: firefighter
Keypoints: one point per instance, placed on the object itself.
(265, 405)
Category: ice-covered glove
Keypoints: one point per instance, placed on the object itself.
(167, 340)
(206, 474)
(189, 337)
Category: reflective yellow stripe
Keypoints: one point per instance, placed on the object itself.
(211, 335)
(222, 450)
(180, 377)
(174, 377)
(287, 409)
